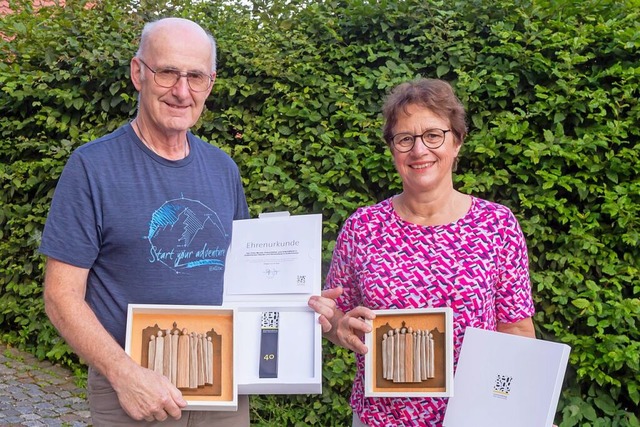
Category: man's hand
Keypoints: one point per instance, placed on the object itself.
(147, 395)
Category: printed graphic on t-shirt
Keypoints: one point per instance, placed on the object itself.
(185, 234)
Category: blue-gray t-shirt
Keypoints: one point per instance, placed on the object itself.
(151, 230)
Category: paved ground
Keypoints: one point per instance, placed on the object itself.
(35, 393)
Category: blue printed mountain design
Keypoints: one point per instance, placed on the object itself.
(186, 234)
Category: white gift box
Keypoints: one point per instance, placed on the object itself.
(504, 380)
(410, 353)
(274, 265)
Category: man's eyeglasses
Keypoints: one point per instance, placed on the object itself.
(431, 138)
(167, 77)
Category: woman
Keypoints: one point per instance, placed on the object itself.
(429, 246)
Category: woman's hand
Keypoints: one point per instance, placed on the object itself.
(344, 329)
(325, 306)
(352, 326)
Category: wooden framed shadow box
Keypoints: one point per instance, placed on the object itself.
(193, 346)
(410, 353)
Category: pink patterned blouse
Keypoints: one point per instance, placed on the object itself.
(477, 265)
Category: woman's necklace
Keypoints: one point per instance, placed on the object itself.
(144, 140)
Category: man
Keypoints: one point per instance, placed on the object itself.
(143, 215)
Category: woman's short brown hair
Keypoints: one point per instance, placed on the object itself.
(434, 94)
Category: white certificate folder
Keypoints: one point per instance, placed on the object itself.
(276, 256)
(504, 380)
(274, 265)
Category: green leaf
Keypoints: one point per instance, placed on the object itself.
(581, 303)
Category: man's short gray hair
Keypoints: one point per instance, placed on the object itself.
(148, 29)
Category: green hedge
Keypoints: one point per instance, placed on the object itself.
(551, 88)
